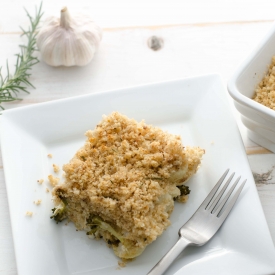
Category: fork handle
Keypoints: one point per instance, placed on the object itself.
(169, 257)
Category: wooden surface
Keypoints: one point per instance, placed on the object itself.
(198, 38)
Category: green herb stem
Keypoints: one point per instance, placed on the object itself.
(12, 85)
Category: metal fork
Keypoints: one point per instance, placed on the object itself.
(204, 223)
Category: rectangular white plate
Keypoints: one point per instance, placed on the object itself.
(195, 108)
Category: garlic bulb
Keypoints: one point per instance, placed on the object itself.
(68, 41)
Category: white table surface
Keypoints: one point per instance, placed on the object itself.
(199, 37)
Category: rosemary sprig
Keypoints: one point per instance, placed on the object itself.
(11, 85)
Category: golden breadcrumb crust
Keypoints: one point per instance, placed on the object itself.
(53, 180)
(265, 91)
(126, 173)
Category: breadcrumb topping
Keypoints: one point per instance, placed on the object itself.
(40, 181)
(182, 198)
(127, 174)
(53, 180)
(37, 202)
(265, 91)
(29, 213)
(56, 168)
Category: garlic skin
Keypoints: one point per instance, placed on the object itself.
(68, 41)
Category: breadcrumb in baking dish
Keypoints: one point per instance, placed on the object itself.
(121, 185)
(265, 91)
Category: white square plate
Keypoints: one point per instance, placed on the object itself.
(195, 108)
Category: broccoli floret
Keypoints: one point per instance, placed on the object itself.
(93, 229)
(184, 190)
(59, 212)
(97, 223)
(123, 248)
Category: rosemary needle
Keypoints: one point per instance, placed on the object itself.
(11, 85)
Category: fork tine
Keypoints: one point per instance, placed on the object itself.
(219, 208)
(203, 225)
(210, 196)
(231, 202)
(217, 199)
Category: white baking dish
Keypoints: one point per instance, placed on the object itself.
(259, 120)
